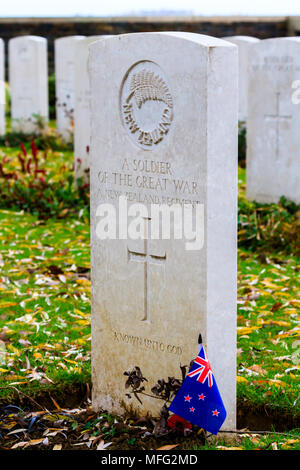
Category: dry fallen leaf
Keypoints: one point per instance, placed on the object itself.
(246, 330)
(56, 404)
(25, 444)
(57, 447)
(19, 444)
(102, 446)
(34, 442)
(241, 379)
(258, 369)
(168, 447)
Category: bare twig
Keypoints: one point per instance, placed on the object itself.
(24, 394)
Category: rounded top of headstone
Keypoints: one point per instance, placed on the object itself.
(28, 38)
(291, 38)
(90, 39)
(97, 37)
(280, 40)
(274, 44)
(201, 39)
(70, 38)
(248, 39)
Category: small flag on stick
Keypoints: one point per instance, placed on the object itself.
(198, 399)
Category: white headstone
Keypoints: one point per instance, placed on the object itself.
(273, 135)
(65, 58)
(163, 117)
(82, 129)
(244, 44)
(28, 79)
(2, 88)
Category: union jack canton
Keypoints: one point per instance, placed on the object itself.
(198, 399)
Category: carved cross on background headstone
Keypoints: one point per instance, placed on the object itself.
(278, 118)
(146, 258)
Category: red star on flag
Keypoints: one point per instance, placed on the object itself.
(192, 410)
(201, 397)
(216, 413)
(188, 398)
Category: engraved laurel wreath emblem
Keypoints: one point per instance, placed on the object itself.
(147, 105)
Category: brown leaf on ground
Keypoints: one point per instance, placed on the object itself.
(276, 306)
(168, 447)
(258, 369)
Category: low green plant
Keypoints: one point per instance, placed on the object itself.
(52, 96)
(27, 183)
(45, 136)
(7, 100)
(269, 227)
(242, 144)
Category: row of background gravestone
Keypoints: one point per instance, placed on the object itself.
(273, 150)
(53, 28)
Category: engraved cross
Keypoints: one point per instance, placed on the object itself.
(147, 259)
(278, 118)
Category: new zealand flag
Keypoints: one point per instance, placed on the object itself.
(198, 399)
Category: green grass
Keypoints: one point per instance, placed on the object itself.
(45, 303)
(252, 441)
(268, 328)
(45, 306)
